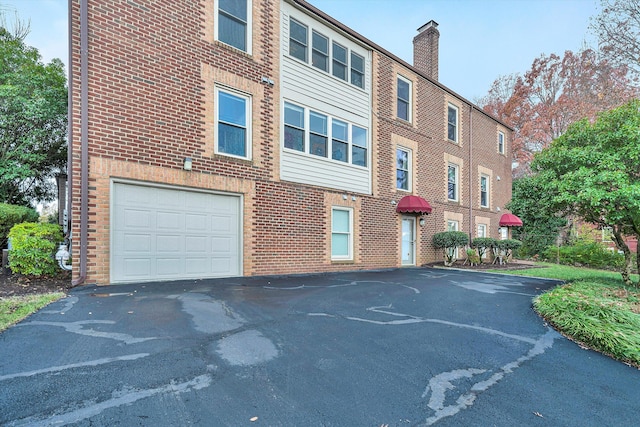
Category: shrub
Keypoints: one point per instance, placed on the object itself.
(586, 253)
(483, 245)
(33, 246)
(450, 241)
(11, 215)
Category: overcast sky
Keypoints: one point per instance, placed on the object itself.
(479, 39)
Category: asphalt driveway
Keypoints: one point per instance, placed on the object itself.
(399, 348)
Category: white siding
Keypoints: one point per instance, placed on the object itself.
(307, 86)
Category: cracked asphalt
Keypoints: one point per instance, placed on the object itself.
(405, 347)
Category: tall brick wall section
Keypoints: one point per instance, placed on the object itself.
(152, 66)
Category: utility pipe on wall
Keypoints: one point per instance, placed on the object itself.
(471, 230)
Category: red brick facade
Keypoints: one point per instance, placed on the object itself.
(151, 67)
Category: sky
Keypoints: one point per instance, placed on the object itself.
(480, 40)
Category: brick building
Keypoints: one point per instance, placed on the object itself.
(220, 138)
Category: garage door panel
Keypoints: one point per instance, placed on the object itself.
(163, 233)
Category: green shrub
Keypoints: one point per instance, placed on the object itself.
(450, 241)
(33, 246)
(585, 253)
(11, 215)
(483, 245)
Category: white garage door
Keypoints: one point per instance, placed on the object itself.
(169, 234)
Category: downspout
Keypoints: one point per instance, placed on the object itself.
(84, 139)
(471, 175)
(69, 192)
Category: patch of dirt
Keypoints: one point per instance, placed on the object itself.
(18, 285)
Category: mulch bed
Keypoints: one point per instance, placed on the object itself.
(511, 265)
(18, 285)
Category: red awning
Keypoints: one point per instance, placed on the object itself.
(510, 220)
(413, 204)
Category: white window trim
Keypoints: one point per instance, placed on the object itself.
(484, 230)
(501, 143)
(457, 133)
(216, 6)
(248, 109)
(457, 182)
(488, 204)
(330, 118)
(409, 169)
(410, 100)
(349, 256)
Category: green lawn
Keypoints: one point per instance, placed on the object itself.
(593, 308)
(14, 309)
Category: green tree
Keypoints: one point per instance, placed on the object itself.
(593, 171)
(33, 122)
(540, 223)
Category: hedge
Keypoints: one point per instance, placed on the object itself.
(33, 247)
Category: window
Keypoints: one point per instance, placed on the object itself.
(452, 181)
(233, 28)
(320, 52)
(482, 230)
(293, 127)
(232, 126)
(318, 134)
(359, 148)
(311, 132)
(484, 191)
(452, 123)
(339, 61)
(607, 234)
(357, 70)
(298, 40)
(403, 173)
(341, 234)
(504, 233)
(500, 142)
(339, 141)
(452, 225)
(404, 99)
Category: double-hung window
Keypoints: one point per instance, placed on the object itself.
(359, 145)
(452, 123)
(403, 172)
(341, 233)
(298, 40)
(484, 191)
(452, 182)
(339, 61)
(357, 70)
(293, 127)
(500, 142)
(318, 138)
(482, 230)
(404, 99)
(339, 141)
(233, 134)
(233, 23)
(320, 51)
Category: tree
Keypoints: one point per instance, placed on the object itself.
(554, 93)
(618, 30)
(33, 122)
(540, 224)
(592, 171)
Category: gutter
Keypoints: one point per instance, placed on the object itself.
(84, 140)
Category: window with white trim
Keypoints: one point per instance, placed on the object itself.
(318, 134)
(501, 142)
(452, 123)
(403, 169)
(357, 70)
(452, 182)
(484, 191)
(607, 234)
(341, 233)
(482, 230)
(298, 40)
(452, 225)
(339, 61)
(232, 124)
(233, 23)
(403, 99)
(319, 51)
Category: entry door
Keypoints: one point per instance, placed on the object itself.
(408, 241)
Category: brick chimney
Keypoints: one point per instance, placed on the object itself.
(425, 49)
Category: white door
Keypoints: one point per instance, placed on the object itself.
(408, 241)
(170, 234)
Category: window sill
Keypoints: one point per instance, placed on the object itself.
(342, 261)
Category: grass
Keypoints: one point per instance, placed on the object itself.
(594, 308)
(14, 309)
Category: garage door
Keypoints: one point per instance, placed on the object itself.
(169, 234)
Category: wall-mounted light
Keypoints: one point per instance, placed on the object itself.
(188, 164)
(353, 198)
(268, 81)
(422, 222)
(393, 203)
(344, 197)
(497, 208)
(498, 177)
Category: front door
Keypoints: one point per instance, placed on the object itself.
(408, 241)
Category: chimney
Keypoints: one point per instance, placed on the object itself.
(425, 49)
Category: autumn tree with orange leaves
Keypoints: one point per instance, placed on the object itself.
(554, 93)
